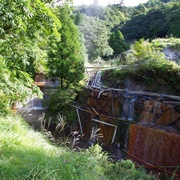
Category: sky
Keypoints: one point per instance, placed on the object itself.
(106, 2)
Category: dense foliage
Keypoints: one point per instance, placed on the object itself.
(66, 64)
(31, 33)
(156, 18)
(117, 42)
(23, 41)
(96, 37)
(34, 34)
(38, 37)
(158, 21)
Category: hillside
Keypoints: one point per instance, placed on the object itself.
(108, 31)
(25, 154)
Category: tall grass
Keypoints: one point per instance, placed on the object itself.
(26, 154)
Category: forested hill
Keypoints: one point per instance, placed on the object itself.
(153, 20)
(156, 18)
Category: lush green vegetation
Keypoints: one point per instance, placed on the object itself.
(36, 36)
(96, 37)
(23, 41)
(32, 37)
(117, 42)
(25, 154)
(154, 19)
(159, 21)
(65, 58)
(153, 68)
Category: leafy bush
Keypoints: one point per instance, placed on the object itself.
(14, 86)
(62, 102)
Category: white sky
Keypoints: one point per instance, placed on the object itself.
(106, 2)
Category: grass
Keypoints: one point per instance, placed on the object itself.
(26, 154)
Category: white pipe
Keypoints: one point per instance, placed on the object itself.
(100, 93)
(79, 119)
(171, 102)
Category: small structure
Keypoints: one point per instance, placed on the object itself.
(34, 107)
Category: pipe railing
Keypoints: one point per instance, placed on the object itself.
(99, 86)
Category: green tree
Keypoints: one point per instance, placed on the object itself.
(96, 36)
(113, 16)
(117, 42)
(24, 34)
(173, 20)
(144, 51)
(66, 64)
(66, 55)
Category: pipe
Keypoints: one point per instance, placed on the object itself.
(108, 124)
(109, 117)
(100, 93)
(171, 102)
(95, 111)
(79, 119)
(108, 68)
(153, 94)
(87, 84)
(130, 92)
(138, 92)
(96, 79)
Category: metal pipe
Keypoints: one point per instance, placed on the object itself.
(128, 91)
(79, 119)
(108, 124)
(109, 117)
(138, 92)
(171, 102)
(100, 93)
(95, 111)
